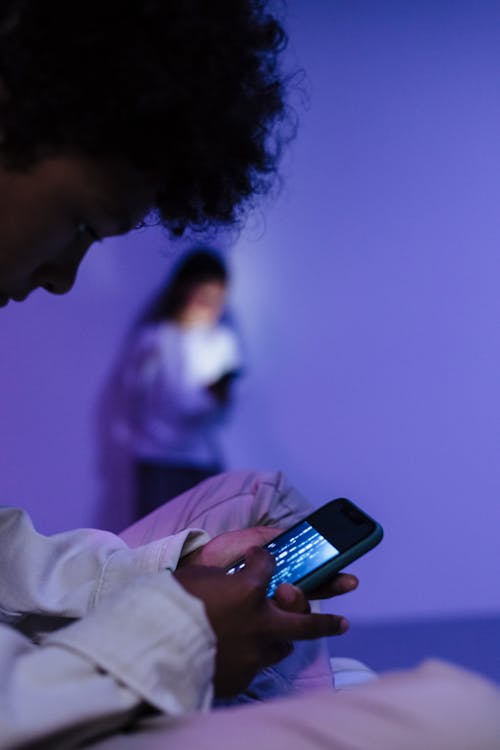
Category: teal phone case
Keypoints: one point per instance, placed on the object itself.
(320, 575)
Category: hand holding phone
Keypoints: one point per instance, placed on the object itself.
(251, 629)
(221, 388)
(317, 548)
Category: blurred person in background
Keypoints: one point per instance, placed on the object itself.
(178, 380)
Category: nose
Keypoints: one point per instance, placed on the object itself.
(59, 275)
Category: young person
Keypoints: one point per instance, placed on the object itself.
(176, 378)
(108, 112)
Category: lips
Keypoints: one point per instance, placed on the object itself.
(19, 296)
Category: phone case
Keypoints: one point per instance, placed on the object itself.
(329, 569)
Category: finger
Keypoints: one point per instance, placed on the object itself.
(291, 598)
(294, 626)
(341, 584)
(259, 567)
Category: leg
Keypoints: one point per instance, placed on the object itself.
(437, 706)
(233, 500)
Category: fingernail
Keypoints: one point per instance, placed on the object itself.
(343, 626)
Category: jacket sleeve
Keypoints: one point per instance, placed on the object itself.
(149, 643)
(67, 574)
(137, 637)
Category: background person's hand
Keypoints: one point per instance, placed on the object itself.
(252, 630)
(221, 388)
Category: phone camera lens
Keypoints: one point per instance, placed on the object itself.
(355, 516)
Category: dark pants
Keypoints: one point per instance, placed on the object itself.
(157, 483)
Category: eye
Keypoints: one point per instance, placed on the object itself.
(82, 228)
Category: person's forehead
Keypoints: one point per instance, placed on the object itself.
(124, 194)
(118, 192)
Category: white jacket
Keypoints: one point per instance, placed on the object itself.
(169, 414)
(139, 637)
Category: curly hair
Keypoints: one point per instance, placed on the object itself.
(188, 92)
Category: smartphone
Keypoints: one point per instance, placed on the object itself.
(318, 547)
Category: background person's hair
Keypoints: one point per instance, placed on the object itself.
(189, 92)
(200, 265)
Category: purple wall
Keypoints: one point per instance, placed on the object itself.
(367, 293)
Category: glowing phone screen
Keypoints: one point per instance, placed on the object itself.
(297, 552)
